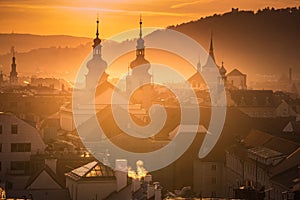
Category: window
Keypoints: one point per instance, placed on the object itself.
(1, 129)
(0, 166)
(20, 147)
(14, 129)
(0, 147)
(19, 166)
(214, 167)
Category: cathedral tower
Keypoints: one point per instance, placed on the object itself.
(139, 67)
(96, 66)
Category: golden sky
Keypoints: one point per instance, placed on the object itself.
(77, 17)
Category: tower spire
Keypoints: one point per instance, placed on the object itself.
(211, 48)
(13, 51)
(97, 32)
(13, 78)
(97, 41)
(140, 42)
(141, 23)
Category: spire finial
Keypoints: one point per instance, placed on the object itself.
(211, 48)
(97, 33)
(13, 51)
(141, 22)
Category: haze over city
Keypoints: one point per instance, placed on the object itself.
(150, 100)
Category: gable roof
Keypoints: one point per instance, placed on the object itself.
(48, 171)
(258, 138)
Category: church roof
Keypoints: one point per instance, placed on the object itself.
(236, 72)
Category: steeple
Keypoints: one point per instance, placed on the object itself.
(13, 77)
(211, 48)
(97, 41)
(140, 42)
(97, 32)
(141, 23)
(222, 70)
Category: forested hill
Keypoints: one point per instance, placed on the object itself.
(266, 41)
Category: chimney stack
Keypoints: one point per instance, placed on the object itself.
(121, 173)
(157, 191)
(136, 184)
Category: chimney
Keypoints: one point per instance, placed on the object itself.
(136, 185)
(51, 163)
(148, 178)
(121, 173)
(150, 191)
(157, 191)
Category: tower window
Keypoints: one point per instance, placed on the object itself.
(1, 129)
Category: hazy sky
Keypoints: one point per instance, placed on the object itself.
(77, 17)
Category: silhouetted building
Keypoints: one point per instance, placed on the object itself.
(214, 75)
(96, 66)
(13, 77)
(256, 159)
(237, 79)
(139, 67)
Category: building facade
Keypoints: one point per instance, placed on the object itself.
(18, 141)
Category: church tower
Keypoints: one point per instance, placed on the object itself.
(96, 66)
(211, 49)
(139, 67)
(211, 61)
(13, 77)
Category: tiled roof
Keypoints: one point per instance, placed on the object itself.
(258, 138)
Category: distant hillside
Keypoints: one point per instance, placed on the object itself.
(265, 42)
(262, 42)
(48, 62)
(27, 42)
